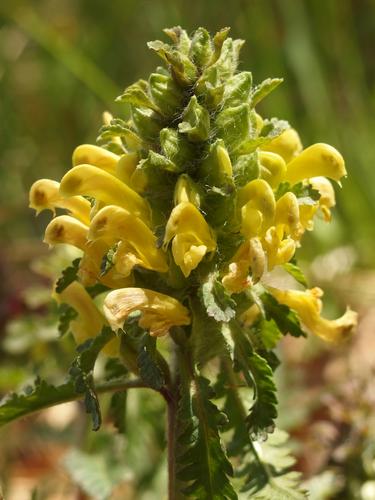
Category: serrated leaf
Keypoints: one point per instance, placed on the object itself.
(147, 123)
(66, 314)
(136, 94)
(148, 364)
(259, 376)
(117, 410)
(263, 89)
(81, 372)
(207, 340)
(268, 471)
(296, 272)
(201, 48)
(196, 121)
(218, 303)
(68, 275)
(246, 168)
(165, 93)
(176, 148)
(203, 462)
(286, 319)
(95, 474)
(237, 89)
(41, 395)
(233, 126)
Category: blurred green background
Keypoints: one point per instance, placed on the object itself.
(63, 62)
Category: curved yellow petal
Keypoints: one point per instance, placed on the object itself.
(159, 312)
(317, 160)
(188, 251)
(250, 255)
(45, 195)
(126, 167)
(194, 236)
(327, 198)
(89, 321)
(279, 251)
(186, 191)
(92, 181)
(307, 305)
(258, 204)
(115, 224)
(96, 156)
(272, 168)
(68, 230)
(287, 215)
(287, 145)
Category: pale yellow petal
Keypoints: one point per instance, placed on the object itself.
(96, 156)
(307, 305)
(92, 181)
(317, 160)
(272, 168)
(287, 145)
(45, 195)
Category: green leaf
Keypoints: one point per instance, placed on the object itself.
(207, 340)
(148, 363)
(81, 372)
(117, 411)
(237, 89)
(182, 68)
(246, 168)
(263, 89)
(218, 303)
(296, 272)
(201, 48)
(137, 95)
(259, 376)
(196, 121)
(41, 395)
(119, 129)
(68, 276)
(66, 314)
(268, 471)
(95, 474)
(233, 126)
(165, 93)
(147, 123)
(202, 461)
(286, 319)
(176, 148)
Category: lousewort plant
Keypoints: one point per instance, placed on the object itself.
(188, 216)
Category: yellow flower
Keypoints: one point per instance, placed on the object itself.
(279, 250)
(186, 191)
(308, 306)
(272, 168)
(250, 255)
(317, 160)
(44, 195)
(287, 145)
(126, 166)
(96, 156)
(191, 235)
(67, 230)
(92, 181)
(257, 203)
(327, 198)
(138, 244)
(287, 215)
(159, 312)
(89, 321)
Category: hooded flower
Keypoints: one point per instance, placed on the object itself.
(191, 236)
(45, 195)
(308, 306)
(257, 203)
(92, 181)
(249, 256)
(287, 145)
(159, 312)
(89, 321)
(317, 160)
(138, 245)
(95, 156)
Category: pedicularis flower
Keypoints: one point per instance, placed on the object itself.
(195, 187)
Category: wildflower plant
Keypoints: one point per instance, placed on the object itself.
(186, 216)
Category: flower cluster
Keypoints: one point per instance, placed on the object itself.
(195, 182)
